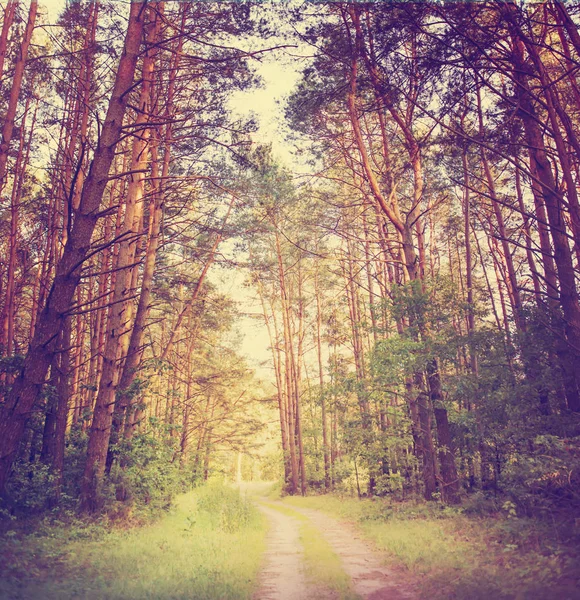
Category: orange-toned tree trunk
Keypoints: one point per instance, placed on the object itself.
(541, 168)
(119, 322)
(9, 11)
(17, 408)
(10, 116)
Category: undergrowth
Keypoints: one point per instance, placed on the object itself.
(209, 545)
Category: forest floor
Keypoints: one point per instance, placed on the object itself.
(208, 546)
(214, 544)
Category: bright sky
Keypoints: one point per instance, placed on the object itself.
(53, 7)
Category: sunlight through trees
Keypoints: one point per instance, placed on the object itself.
(415, 269)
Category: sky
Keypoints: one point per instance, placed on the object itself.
(279, 73)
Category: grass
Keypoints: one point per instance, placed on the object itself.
(208, 546)
(457, 556)
(323, 566)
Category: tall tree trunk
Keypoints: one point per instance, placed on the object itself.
(449, 477)
(9, 11)
(288, 368)
(297, 382)
(412, 265)
(62, 409)
(16, 410)
(323, 416)
(9, 309)
(9, 117)
(119, 323)
(540, 167)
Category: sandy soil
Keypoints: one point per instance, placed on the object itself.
(282, 577)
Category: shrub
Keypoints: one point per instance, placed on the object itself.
(229, 509)
(148, 476)
(31, 486)
(546, 477)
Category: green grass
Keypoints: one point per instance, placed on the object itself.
(209, 546)
(461, 557)
(322, 565)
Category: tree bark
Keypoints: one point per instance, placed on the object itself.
(9, 11)
(17, 409)
(9, 117)
(540, 166)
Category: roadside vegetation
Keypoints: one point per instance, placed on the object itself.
(209, 545)
(466, 553)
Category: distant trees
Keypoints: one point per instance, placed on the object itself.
(277, 270)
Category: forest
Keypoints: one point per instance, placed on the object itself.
(407, 268)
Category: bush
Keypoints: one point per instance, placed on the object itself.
(31, 486)
(546, 477)
(148, 476)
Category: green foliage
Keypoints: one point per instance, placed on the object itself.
(9, 366)
(185, 554)
(507, 415)
(74, 464)
(30, 486)
(146, 471)
(229, 510)
(546, 476)
(271, 467)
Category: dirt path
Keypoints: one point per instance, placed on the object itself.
(371, 579)
(282, 577)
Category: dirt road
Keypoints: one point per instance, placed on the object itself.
(283, 575)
